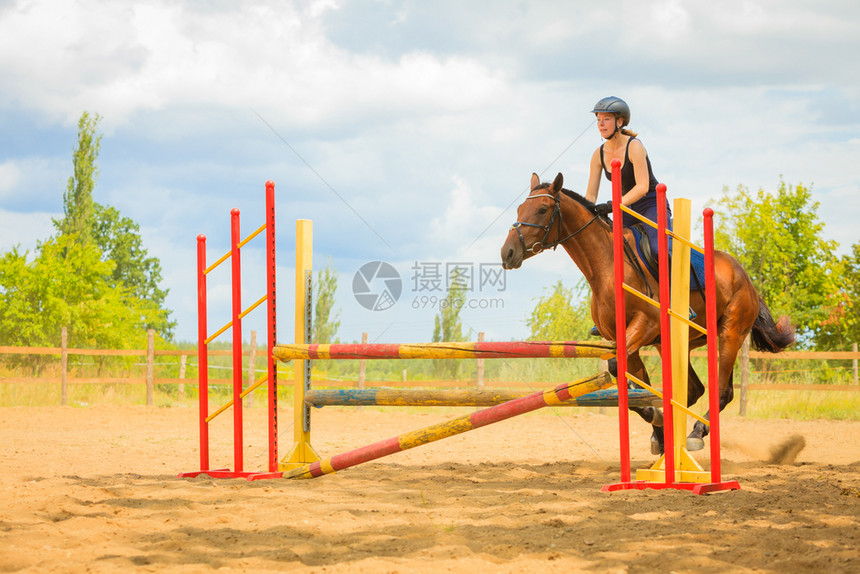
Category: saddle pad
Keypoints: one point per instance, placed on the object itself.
(697, 263)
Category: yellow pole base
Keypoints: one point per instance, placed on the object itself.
(301, 454)
(688, 470)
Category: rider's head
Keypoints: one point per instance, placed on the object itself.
(614, 111)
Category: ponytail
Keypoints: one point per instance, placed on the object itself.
(626, 132)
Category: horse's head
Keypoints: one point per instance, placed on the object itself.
(536, 217)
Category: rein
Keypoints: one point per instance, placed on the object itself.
(542, 245)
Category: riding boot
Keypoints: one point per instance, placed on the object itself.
(594, 332)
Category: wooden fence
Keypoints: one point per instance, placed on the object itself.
(150, 381)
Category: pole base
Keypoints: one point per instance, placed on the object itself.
(265, 475)
(220, 473)
(694, 487)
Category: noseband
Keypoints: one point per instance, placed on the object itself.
(541, 245)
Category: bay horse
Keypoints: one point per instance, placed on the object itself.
(550, 210)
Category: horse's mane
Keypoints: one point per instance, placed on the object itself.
(573, 195)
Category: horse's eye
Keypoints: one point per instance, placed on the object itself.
(542, 209)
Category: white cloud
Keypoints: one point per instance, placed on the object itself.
(9, 177)
(24, 230)
(461, 222)
(427, 119)
(122, 59)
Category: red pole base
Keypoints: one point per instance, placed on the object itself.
(265, 475)
(220, 473)
(694, 487)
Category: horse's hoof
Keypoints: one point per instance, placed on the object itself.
(695, 443)
(656, 447)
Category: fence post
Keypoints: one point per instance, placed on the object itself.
(480, 364)
(64, 362)
(252, 373)
(745, 375)
(150, 364)
(182, 362)
(854, 362)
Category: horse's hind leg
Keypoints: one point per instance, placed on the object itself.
(729, 345)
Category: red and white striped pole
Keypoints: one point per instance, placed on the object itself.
(272, 326)
(665, 335)
(202, 357)
(711, 325)
(237, 340)
(620, 321)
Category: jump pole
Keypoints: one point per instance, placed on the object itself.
(453, 350)
(519, 406)
(461, 398)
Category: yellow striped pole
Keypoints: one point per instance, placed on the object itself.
(457, 350)
(453, 427)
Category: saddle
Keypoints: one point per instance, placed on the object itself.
(648, 254)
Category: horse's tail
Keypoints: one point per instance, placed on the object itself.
(770, 336)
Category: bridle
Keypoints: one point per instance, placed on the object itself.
(541, 245)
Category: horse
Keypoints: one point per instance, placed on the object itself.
(587, 238)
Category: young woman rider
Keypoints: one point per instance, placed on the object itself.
(638, 184)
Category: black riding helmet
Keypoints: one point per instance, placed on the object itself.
(613, 105)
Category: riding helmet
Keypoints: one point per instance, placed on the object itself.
(615, 106)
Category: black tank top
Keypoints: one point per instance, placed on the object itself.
(628, 178)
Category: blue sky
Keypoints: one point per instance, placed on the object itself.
(421, 123)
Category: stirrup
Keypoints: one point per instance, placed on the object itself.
(692, 314)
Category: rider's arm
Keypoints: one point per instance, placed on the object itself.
(640, 171)
(594, 176)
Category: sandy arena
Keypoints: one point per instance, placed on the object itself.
(95, 490)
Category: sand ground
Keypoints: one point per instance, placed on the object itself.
(95, 490)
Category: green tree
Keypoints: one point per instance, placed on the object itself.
(447, 325)
(67, 284)
(842, 327)
(78, 206)
(326, 323)
(777, 237)
(134, 272)
(561, 315)
(119, 240)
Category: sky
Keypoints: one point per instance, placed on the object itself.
(408, 131)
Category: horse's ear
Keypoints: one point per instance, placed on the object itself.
(535, 181)
(558, 183)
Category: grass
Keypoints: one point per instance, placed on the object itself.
(803, 405)
(799, 405)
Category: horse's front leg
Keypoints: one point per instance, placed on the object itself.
(640, 332)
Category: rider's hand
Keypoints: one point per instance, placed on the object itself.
(603, 208)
